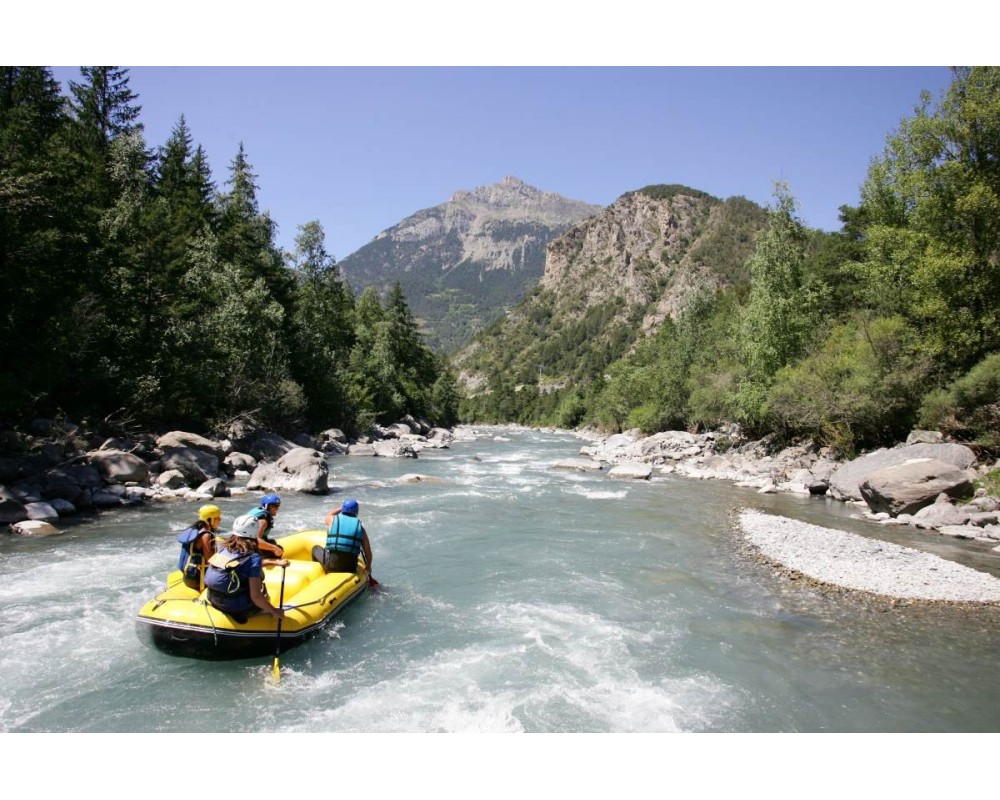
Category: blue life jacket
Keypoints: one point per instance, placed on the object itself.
(345, 534)
(224, 583)
(191, 560)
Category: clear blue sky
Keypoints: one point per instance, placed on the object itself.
(360, 148)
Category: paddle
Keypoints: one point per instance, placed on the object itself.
(276, 669)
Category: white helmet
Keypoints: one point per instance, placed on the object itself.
(246, 527)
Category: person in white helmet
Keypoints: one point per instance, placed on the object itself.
(234, 578)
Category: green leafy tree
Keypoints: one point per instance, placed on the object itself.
(775, 320)
(932, 250)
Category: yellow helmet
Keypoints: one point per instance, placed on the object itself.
(206, 513)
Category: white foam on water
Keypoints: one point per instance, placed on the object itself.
(442, 694)
(598, 494)
(593, 674)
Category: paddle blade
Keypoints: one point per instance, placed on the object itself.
(372, 583)
(276, 671)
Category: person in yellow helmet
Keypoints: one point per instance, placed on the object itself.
(198, 545)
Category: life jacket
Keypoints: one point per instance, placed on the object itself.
(262, 513)
(191, 561)
(345, 534)
(221, 577)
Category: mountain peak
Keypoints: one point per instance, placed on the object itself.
(510, 191)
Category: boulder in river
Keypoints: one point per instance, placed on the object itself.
(846, 480)
(301, 469)
(907, 487)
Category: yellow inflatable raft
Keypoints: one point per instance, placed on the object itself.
(180, 621)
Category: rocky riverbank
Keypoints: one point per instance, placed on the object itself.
(57, 470)
(925, 483)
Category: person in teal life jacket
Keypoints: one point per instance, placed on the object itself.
(346, 537)
(265, 513)
(198, 545)
(235, 576)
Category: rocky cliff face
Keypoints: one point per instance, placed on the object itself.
(465, 262)
(615, 276)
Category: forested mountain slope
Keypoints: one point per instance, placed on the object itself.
(465, 262)
(608, 282)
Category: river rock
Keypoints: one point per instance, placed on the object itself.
(301, 470)
(270, 447)
(577, 465)
(925, 437)
(42, 511)
(214, 487)
(240, 462)
(197, 466)
(333, 435)
(636, 470)
(906, 487)
(117, 466)
(941, 512)
(361, 449)
(176, 439)
(305, 440)
(845, 482)
(63, 507)
(171, 479)
(394, 449)
(34, 527)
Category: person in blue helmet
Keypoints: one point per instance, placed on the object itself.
(234, 579)
(265, 513)
(346, 537)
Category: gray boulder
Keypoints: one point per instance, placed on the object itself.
(197, 466)
(361, 449)
(300, 470)
(11, 507)
(42, 511)
(176, 439)
(631, 471)
(907, 487)
(305, 440)
(171, 479)
(333, 435)
(63, 507)
(241, 461)
(394, 449)
(34, 527)
(116, 466)
(270, 447)
(942, 512)
(577, 465)
(846, 480)
(925, 437)
(216, 487)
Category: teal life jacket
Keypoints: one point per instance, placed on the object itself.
(345, 534)
(264, 514)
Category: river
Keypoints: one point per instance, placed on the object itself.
(514, 598)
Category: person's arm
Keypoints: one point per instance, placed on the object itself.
(206, 543)
(260, 599)
(366, 548)
(274, 562)
(264, 545)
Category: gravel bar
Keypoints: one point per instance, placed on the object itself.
(856, 562)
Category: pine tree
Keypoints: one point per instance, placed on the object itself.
(323, 328)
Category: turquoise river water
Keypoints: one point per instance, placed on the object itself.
(515, 598)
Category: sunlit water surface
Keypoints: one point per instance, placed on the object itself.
(515, 598)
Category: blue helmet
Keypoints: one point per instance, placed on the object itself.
(349, 507)
(270, 500)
